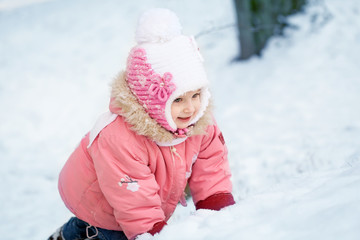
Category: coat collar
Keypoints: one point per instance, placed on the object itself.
(125, 104)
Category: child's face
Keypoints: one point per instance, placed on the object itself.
(185, 108)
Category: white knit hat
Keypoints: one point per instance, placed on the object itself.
(165, 65)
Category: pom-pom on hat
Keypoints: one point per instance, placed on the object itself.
(157, 25)
(165, 65)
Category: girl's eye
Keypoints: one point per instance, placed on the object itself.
(178, 100)
(196, 95)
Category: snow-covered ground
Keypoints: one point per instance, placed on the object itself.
(291, 119)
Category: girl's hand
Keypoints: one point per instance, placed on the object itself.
(216, 201)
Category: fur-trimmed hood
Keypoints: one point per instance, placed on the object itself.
(125, 104)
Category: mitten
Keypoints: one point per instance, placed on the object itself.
(157, 227)
(216, 201)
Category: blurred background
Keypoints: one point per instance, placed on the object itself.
(284, 76)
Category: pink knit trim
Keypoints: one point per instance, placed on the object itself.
(151, 89)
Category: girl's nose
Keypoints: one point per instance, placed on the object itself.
(189, 107)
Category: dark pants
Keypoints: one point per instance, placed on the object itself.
(76, 229)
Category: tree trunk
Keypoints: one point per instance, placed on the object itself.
(258, 20)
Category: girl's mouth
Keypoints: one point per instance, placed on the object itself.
(184, 119)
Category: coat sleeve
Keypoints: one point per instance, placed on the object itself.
(210, 180)
(127, 183)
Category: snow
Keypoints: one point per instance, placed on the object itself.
(291, 119)
(325, 205)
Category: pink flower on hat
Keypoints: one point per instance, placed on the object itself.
(161, 87)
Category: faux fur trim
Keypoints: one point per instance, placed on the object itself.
(124, 103)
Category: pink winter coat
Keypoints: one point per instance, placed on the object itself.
(118, 179)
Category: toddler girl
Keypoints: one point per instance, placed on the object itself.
(129, 172)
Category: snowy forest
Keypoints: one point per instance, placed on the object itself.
(290, 116)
